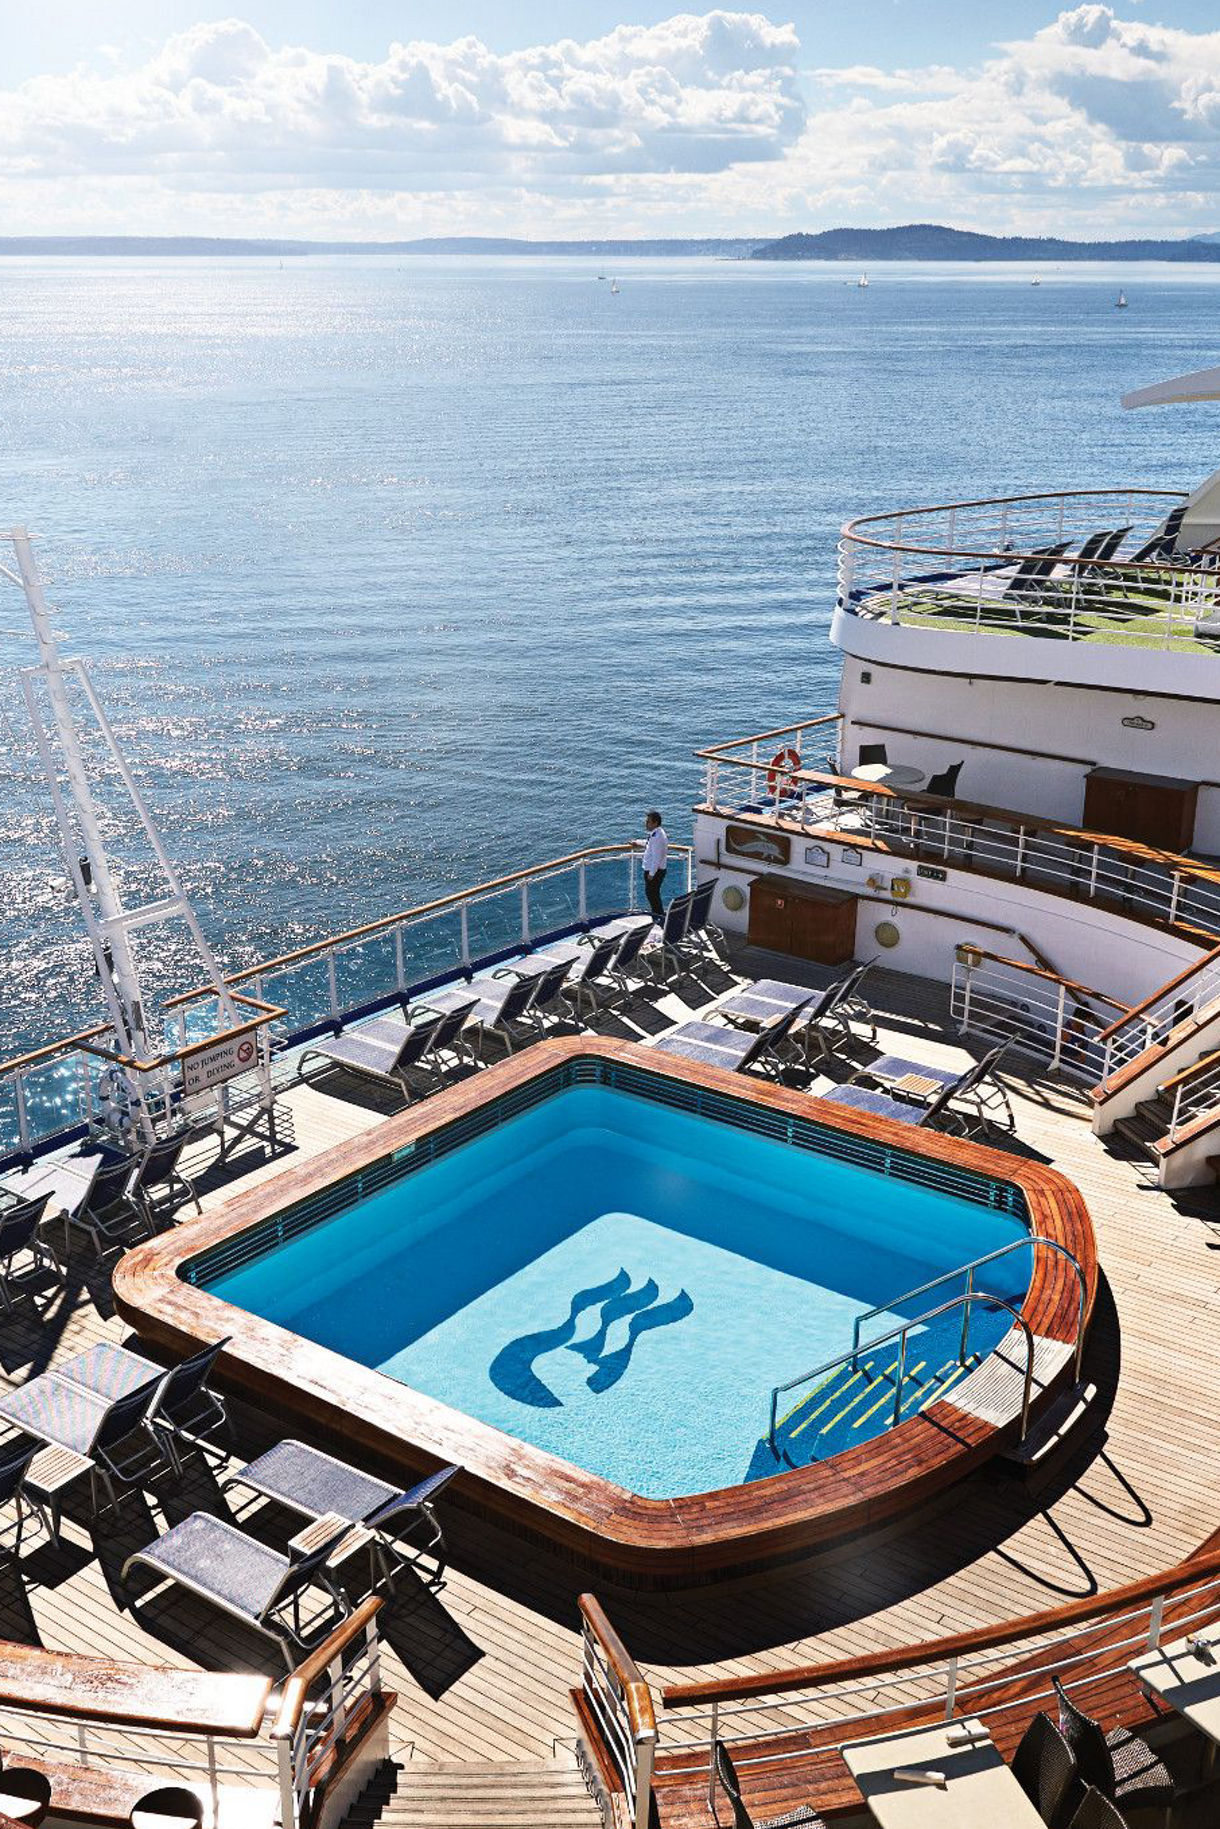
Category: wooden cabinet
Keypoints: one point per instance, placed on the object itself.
(803, 919)
(1152, 809)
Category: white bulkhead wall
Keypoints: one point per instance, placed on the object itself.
(1051, 736)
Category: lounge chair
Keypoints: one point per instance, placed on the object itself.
(976, 1088)
(187, 1415)
(588, 966)
(388, 1048)
(14, 1466)
(402, 1524)
(103, 1208)
(825, 1016)
(699, 929)
(1123, 1767)
(26, 1260)
(1164, 540)
(111, 1434)
(911, 1110)
(1044, 1766)
(266, 1590)
(158, 1186)
(715, 1046)
(1095, 1811)
(730, 1784)
(511, 1003)
(669, 956)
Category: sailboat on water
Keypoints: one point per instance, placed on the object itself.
(1120, 303)
(862, 282)
(614, 286)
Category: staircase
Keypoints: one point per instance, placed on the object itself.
(424, 1794)
(856, 1402)
(1178, 1108)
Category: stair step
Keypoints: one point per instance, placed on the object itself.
(1142, 1132)
(435, 1795)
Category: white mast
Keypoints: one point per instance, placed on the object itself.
(107, 922)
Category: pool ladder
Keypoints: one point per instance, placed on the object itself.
(965, 1302)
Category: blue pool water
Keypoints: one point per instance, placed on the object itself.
(622, 1283)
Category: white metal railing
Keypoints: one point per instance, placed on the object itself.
(1188, 997)
(628, 1735)
(966, 1302)
(1195, 1094)
(1035, 1010)
(332, 1716)
(55, 1090)
(331, 1719)
(986, 566)
(1131, 879)
(956, 1686)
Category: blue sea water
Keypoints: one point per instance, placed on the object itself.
(622, 1284)
(397, 574)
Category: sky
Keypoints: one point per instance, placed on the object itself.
(586, 118)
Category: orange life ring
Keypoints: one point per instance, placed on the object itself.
(784, 762)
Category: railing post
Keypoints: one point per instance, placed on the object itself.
(951, 1688)
(645, 1747)
(901, 1373)
(1177, 1107)
(1060, 1012)
(464, 925)
(287, 1782)
(713, 1736)
(1156, 1614)
(23, 1121)
(525, 913)
(337, 1698)
(965, 1335)
(582, 893)
(332, 981)
(400, 963)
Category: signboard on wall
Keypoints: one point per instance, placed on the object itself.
(220, 1061)
(762, 847)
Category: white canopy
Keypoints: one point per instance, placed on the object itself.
(1201, 523)
(1203, 384)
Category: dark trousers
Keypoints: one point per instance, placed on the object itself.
(652, 889)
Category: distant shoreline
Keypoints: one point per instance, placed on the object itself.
(928, 242)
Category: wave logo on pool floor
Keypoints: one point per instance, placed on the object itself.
(512, 1369)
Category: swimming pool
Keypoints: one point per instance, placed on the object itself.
(620, 1281)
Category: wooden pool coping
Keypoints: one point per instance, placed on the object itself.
(647, 1540)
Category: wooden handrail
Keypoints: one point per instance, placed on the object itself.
(769, 736)
(296, 1689)
(934, 1651)
(1188, 1073)
(636, 1693)
(1009, 816)
(1163, 990)
(452, 900)
(150, 1696)
(1043, 971)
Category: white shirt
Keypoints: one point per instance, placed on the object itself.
(656, 851)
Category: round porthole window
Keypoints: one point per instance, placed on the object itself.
(886, 934)
(734, 898)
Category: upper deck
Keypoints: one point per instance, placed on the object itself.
(1096, 572)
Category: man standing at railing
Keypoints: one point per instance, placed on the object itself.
(656, 860)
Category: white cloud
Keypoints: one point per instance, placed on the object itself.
(720, 122)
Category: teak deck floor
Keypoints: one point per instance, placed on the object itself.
(483, 1669)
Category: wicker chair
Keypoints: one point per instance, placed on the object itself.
(1097, 1812)
(1045, 1767)
(1119, 1764)
(726, 1772)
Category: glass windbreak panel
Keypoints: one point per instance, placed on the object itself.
(495, 923)
(366, 971)
(554, 902)
(302, 992)
(608, 886)
(55, 1094)
(432, 946)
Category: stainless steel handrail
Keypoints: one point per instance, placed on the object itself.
(900, 1334)
(967, 1270)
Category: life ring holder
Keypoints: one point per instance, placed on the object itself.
(784, 763)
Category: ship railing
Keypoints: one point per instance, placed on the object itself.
(1056, 1020)
(620, 1710)
(228, 1737)
(1188, 997)
(1134, 879)
(1195, 1097)
(967, 1302)
(985, 1674)
(949, 566)
(55, 1093)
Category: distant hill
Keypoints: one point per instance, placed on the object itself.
(930, 241)
(731, 247)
